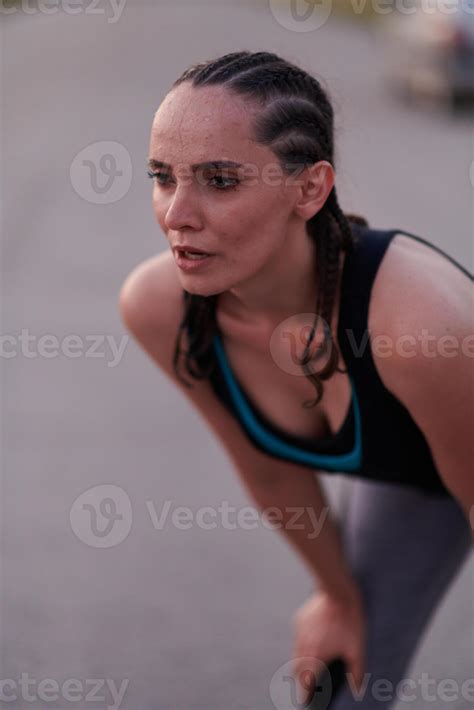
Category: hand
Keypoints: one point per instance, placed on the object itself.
(327, 629)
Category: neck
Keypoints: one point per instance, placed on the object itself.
(285, 287)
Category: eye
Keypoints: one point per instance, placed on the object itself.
(161, 178)
(228, 183)
(221, 182)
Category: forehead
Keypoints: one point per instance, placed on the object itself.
(193, 122)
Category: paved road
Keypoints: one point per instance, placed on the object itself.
(192, 618)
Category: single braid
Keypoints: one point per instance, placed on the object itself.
(296, 121)
(328, 251)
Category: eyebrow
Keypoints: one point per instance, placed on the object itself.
(208, 165)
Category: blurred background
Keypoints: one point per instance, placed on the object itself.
(166, 615)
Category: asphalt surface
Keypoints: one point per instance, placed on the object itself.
(193, 618)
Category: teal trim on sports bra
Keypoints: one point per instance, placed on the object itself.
(270, 442)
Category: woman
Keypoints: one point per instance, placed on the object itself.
(266, 298)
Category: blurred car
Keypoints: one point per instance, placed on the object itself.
(428, 49)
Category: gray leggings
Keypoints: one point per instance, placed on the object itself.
(405, 548)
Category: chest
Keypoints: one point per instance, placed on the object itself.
(275, 384)
(265, 366)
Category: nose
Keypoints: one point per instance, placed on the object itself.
(183, 210)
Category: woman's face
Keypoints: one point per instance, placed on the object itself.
(240, 215)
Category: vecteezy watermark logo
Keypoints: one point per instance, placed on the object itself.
(102, 516)
(301, 15)
(73, 690)
(69, 7)
(294, 680)
(49, 346)
(301, 679)
(288, 341)
(309, 15)
(101, 172)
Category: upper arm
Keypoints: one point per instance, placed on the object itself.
(427, 317)
(151, 306)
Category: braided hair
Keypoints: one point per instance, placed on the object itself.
(296, 122)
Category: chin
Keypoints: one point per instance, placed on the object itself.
(199, 289)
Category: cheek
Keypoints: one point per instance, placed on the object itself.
(253, 211)
(258, 226)
(250, 243)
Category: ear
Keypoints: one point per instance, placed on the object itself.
(314, 185)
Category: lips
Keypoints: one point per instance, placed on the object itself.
(181, 250)
(190, 263)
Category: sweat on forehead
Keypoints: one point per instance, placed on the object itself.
(195, 125)
(202, 114)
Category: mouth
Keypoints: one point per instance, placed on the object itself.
(190, 261)
(191, 255)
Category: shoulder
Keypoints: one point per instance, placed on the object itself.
(151, 297)
(414, 274)
(420, 317)
(152, 307)
(423, 321)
